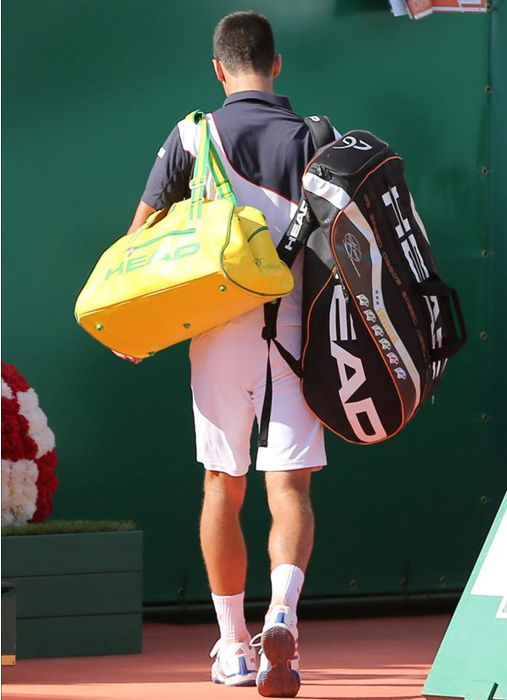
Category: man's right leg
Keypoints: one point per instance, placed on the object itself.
(224, 551)
(290, 545)
(295, 449)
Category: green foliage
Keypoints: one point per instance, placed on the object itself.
(59, 527)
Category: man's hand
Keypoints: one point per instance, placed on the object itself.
(130, 358)
(142, 213)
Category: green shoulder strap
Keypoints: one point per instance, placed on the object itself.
(207, 158)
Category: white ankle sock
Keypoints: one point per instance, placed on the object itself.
(231, 617)
(286, 584)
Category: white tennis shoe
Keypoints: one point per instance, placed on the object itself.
(278, 674)
(234, 664)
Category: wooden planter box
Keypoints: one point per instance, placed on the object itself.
(76, 594)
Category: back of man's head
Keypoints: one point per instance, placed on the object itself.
(243, 42)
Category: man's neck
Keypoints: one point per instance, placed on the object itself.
(248, 81)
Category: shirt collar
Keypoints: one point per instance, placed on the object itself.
(259, 96)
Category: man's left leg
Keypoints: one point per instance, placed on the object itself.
(224, 552)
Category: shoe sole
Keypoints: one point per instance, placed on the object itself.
(281, 681)
(230, 683)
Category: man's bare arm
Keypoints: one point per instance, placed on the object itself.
(142, 213)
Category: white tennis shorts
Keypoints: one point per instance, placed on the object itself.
(228, 381)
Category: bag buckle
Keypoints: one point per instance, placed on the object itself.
(197, 182)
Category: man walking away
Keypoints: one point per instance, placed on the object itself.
(264, 147)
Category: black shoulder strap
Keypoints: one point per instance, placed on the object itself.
(321, 130)
(302, 224)
(296, 235)
(269, 335)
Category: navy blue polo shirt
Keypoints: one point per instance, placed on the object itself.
(263, 140)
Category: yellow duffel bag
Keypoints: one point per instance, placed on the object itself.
(202, 264)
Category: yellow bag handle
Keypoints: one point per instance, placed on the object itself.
(206, 159)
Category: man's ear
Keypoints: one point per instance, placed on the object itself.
(219, 71)
(277, 65)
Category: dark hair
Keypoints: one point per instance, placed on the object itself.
(244, 41)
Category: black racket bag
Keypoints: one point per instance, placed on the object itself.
(378, 321)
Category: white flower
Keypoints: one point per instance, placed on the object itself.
(6, 390)
(37, 422)
(19, 490)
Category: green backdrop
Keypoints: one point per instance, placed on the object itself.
(91, 88)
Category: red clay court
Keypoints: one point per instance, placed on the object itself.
(368, 659)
